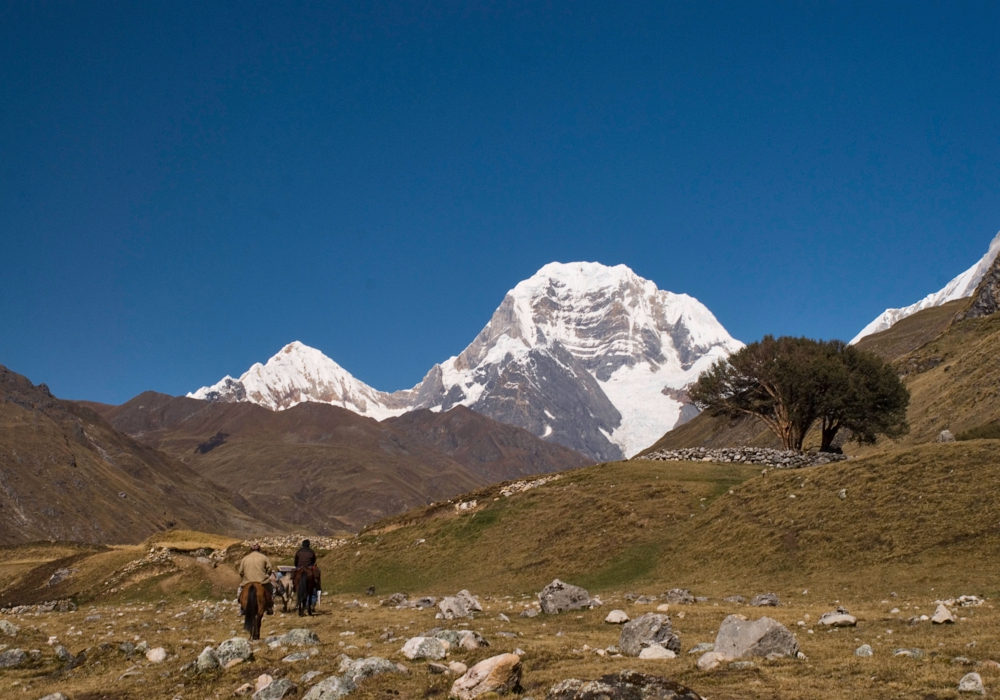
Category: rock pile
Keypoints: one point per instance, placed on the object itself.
(281, 543)
(624, 685)
(761, 456)
(48, 606)
(520, 486)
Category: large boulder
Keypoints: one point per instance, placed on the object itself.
(972, 683)
(647, 630)
(764, 600)
(679, 596)
(207, 660)
(559, 597)
(624, 685)
(942, 616)
(463, 604)
(739, 637)
(234, 649)
(332, 688)
(425, 648)
(617, 617)
(498, 674)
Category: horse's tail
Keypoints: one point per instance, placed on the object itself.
(304, 588)
(250, 615)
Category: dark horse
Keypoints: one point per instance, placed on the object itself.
(254, 602)
(306, 583)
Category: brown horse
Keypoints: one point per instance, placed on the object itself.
(253, 599)
(306, 582)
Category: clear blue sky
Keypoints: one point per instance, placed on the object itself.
(187, 186)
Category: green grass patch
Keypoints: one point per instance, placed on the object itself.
(635, 563)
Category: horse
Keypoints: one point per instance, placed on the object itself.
(283, 589)
(306, 583)
(254, 602)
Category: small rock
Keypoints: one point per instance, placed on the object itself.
(54, 696)
(945, 436)
(207, 660)
(864, 651)
(8, 628)
(499, 674)
(307, 677)
(764, 600)
(64, 654)
(503, 618)
(734, 599)
(297, 656)
(971, 683)
(300, 637)
(680, 596)
(394, 600)
(437, 668)
(236, 649)
(356, 670)
(711, 660)
(263, 680)
(942, 616)
(624, 685)
(655, 651)
(12, 658)
(963, 661)
(617, 617)
(559, 597)
(529, 612)
(463, 604)
(909, 653)
(702, 648)
(244, 689)
(332, 688)
(424, 648)
(276, 690)
(739, 637)
(157, 655)
(838, 619)
(742, 665)
(458, 668)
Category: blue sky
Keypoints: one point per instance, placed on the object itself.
(185, 187)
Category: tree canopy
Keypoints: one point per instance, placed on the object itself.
(792, 383)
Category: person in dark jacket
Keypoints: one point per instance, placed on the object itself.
(305, 556)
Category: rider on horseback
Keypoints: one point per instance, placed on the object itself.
(306, 558)
(256, 568)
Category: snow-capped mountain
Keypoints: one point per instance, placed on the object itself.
(961, 287)
(299, 373)
(592, 357)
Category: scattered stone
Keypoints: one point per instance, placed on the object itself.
(420, 603)
(971, 683)
(332, 688)
(236, 649)
(680, 596)
(764, 600)
(529, 612)
(864, 651)
(617, 617)
(646, 630)
(394, 600)
(763, 456)
(297, 656)
(463, 604)
(942, 616)
(307, 677)
(735, 599)
(842, 494)
(424, 648)
(64, 655)
(963, 661)
(207, 661)
(263, 680)
(55, 696)
(624, 685)
(711, 660)
(458, 668)
(739, 637)
(498, 674)
(655, 651)
(503, 618)
(157, 655)
(702, 648)
(12, 658)
(59, 576)
(559, 597)
(300, 637)
(741, 665)
(356, 670)
(837, 619)
(645, 600)
(276, 690)
(945, 436)
(8, 628)
(437, 669)
(244, 689)
(909, 653)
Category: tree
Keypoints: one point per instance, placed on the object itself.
(790, 383)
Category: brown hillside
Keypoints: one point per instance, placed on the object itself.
(326, 469)
(66, 474)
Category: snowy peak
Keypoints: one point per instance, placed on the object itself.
(961, 287)
(299, 373)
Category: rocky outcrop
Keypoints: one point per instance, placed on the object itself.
(463, 604)
(425, 648)
(647, 630)
(986, 298)
(738, 637)
(625, 685)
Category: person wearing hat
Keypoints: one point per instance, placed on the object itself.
(255, 567)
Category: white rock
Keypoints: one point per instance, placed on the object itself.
(942, 616)
(711, 660)
(424, 648)
(157, 655)
(836, 619)
(655, 651)
(617, 617)
(864, 651)
(971, 683)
